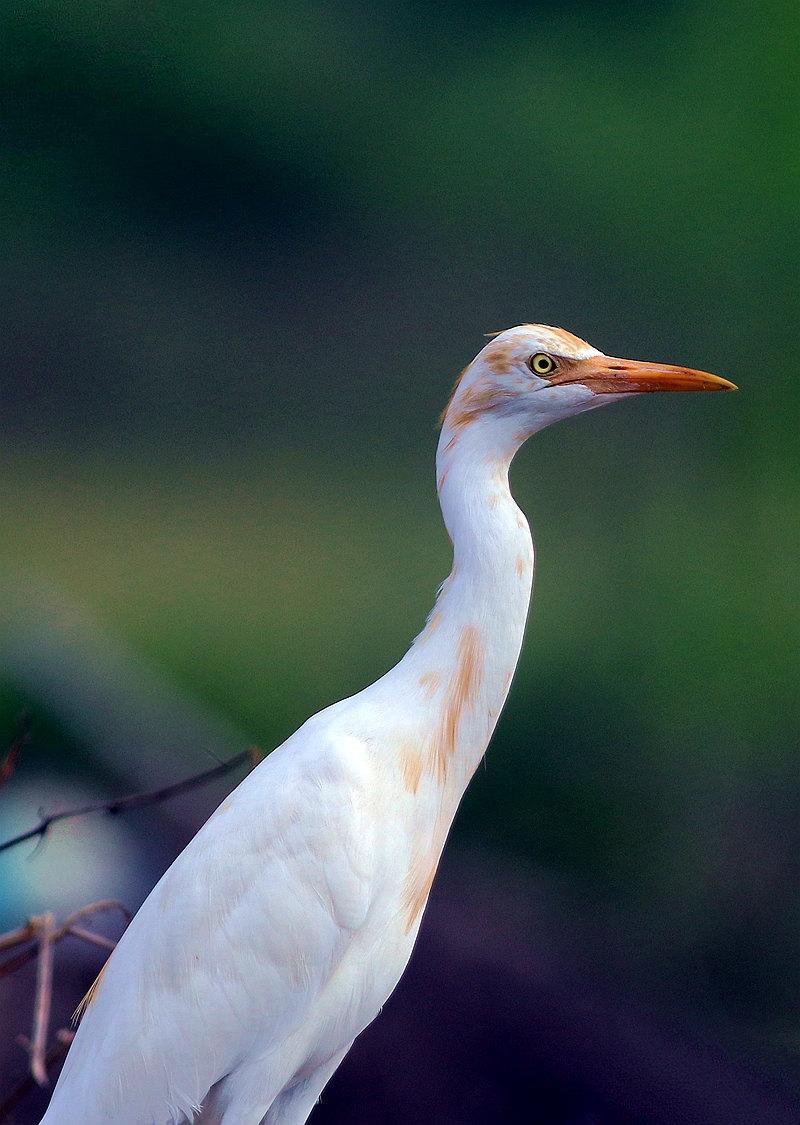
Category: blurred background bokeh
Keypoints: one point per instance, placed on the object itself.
(247, 247)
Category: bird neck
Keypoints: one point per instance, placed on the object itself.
(460, 667)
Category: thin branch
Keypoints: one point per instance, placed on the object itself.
(91, 938)
(13, 963)
(97, 908)
(137, 800)
(43, 931)
(17, 937)
(56, 1053)
(30, 933)
(46, 924)
(20, 740)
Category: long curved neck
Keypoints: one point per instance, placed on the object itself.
(485, 526)
(460, 667)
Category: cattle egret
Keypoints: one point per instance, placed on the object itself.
(275, 937)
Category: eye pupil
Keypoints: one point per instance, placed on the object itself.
(542, 364)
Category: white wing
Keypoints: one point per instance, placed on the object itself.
(228, 952)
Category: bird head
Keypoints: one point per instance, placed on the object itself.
(529, 376)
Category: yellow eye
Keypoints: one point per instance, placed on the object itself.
(542, 364)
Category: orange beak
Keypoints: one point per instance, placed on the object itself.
(605, 375)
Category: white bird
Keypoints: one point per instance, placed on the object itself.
(278, 933)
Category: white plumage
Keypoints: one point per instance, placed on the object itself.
(281, 929)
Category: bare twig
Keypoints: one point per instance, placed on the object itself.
(20, 740)
(44, 934)
(17, 937)
(29, 933)
(91, 938)
(46, 927)
(41, 933)
(97, 908)
(136, 800)
(13, 963)
(56, 1053)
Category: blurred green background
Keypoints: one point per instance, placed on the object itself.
(247, 248)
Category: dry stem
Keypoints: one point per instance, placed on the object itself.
(136, 800)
